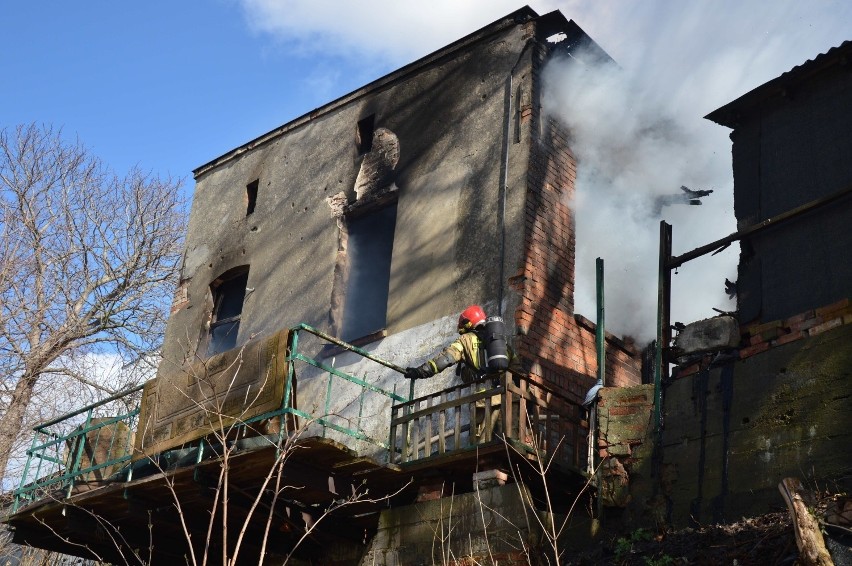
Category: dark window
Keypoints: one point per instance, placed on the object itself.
(369, 248)
(251, 196)
(366, 128)
(229, 292)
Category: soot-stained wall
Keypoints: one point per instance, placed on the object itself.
(481, 186)
(449, 114)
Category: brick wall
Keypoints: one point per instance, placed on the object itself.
(624, 440)
(557, 346)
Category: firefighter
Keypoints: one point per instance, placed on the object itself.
(479, 351)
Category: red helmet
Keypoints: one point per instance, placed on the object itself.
(470, 318)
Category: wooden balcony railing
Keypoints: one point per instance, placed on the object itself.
(532, 417)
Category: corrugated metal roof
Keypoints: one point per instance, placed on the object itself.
(730, 114)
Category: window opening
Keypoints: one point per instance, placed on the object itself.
(228, 297)
(369, 249)
(366, 129)
(251, 196)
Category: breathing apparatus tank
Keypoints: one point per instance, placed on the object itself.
(493, 335)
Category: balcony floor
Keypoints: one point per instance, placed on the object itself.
(105, 520)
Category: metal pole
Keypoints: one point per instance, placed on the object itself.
(600, 336)
(661, 367)
(600, 343)
(674, 262)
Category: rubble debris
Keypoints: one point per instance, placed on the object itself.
(812, 550)
(687, 196)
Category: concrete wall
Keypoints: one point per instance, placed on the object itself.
(450, 120)
(451, 530)
(458, 148)
(792, 148)
(732, 433)
(493, 525)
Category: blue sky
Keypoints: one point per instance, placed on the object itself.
(168, 86)
(171, 85)
(165, 85)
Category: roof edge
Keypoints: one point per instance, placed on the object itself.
(730, 114)
(514, 18)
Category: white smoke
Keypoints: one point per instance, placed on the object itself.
(632, 150)
(638, 132)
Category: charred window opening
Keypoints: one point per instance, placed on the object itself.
(251, 196)
(229, 292)
(366, 129)
(369, 250)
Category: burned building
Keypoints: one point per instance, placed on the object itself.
(762, 395)
(321, 259)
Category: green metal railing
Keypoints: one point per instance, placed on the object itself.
(94, 444)
(324, 417)
(79, 447)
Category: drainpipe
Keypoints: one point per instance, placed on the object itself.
(503, 189)
(504, 174)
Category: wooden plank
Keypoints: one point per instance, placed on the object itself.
(442, 425)
(356, 465)
(430, 421)
(812, 551)
(415, 437)
(416, 413)
(457, 438)
(506, 414)
(471, 434)
(406, 435)
(392, 437)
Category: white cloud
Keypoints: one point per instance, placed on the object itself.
(393, 31)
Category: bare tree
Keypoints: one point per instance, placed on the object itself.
(88, 260)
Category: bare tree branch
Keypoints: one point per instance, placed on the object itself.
(88, 261)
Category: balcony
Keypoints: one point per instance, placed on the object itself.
(91, 488)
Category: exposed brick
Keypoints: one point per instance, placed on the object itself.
(799, 318)
(771, 333)
(819, 329)
(624, 410)
(827, 311)
(806, 324)
(760, 328)
(787, 338)
(752, 350)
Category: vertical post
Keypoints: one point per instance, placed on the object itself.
(600, 335)
(327, 409)
(664, 284)
(26, 473)
(291, 369)
(600, 344)
(78, 450)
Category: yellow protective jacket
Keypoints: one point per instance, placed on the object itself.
(469, 349)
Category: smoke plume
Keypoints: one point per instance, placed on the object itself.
(633, 156)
